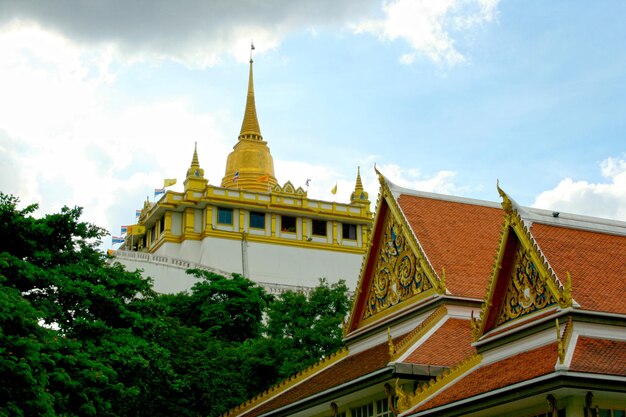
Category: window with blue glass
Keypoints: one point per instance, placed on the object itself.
(224, 215)
(257, 220)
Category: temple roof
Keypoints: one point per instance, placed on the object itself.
(455, 335)
(496, 375)
(596, 262)
(467, 241)
(461, 237)
(599, 356)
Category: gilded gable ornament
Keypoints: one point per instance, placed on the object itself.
(527, 291)
(398, 274)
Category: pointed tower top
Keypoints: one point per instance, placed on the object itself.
(250, 127)
(250, 165)
(195, 180)
(194, 169)
(359, 195)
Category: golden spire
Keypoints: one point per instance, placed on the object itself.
(195, 175)
(250, 165)
(359, 195)
(194, 169)
(250, 127)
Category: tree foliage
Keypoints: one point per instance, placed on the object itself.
(80, 336)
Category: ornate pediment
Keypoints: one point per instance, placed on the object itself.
(522, 281)
(527, 290)
(398, 273)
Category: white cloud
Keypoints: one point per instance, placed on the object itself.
(62, 144)
(606, 199)
(195, 32)
(427, 25)
(198, 33)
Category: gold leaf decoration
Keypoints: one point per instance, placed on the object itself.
(527, 291)
(398, 274)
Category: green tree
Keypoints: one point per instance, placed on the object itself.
(228, 308)
(308, 327)
(82, 337)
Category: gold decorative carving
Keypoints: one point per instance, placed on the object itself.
(404, 401)
(398, 273)
(565, 300)
(417, 333)
(392, 349)
(533, 284)
(560, 347)
(563, 340)
(407, 401)
(527, 291)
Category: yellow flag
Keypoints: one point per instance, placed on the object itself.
(264, 178)
(334, 190)
(136, 230)
(168, 182)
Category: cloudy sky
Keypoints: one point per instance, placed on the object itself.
(99, 101)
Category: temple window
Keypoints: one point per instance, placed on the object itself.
(366, 410)
(348, 231)
(288, 224)
(257, 220)
(319, 228)
(224, 215)
(162, 225)
(382, 408)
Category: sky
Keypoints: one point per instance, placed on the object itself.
(100, 101)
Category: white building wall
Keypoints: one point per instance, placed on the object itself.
(266, 263)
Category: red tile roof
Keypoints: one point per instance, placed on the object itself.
(348, 369)
(460, 237)
(599, 356)
(449, 345)
(497, 375)
(595, 261)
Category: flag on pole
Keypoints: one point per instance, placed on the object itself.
(236, 177)
(168, 182)
(308, 181)
(117, 239)
(124, 229)
(136, 230)
(137, 213)
(334, 190)
(158, 191)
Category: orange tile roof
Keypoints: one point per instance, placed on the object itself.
(449, 345)
(595, 261)
(497, 375)
(350, 368)
(460, 237)
(599, 356)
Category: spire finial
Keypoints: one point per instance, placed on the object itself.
(359, 184)
(359, 196)
(194, 169)
(194, 160)
(250, 127)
